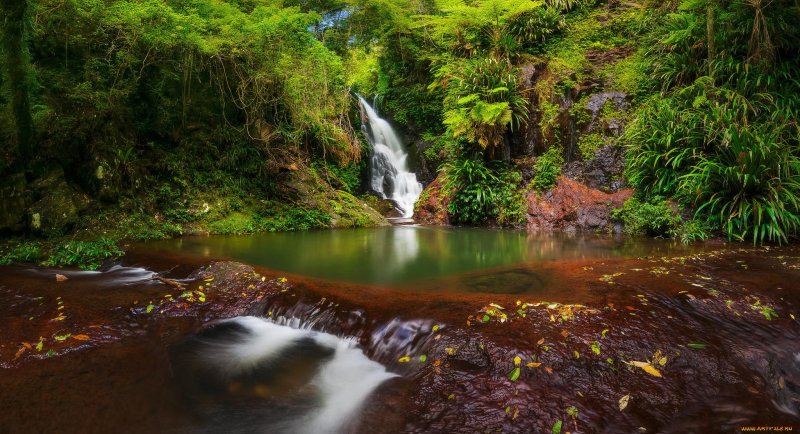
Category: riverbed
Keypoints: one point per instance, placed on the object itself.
(427, 330)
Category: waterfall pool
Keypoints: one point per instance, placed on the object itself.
(419, 258)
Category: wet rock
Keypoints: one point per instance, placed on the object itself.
(14, 199)
(431, 207)
(304, 187)
(386, 207)
(472, 354)
(574, 207)
(603, 172)
(59, 207)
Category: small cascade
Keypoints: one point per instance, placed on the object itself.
(389, 173)
(250, 374)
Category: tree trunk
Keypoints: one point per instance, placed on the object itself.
(17, 67)
(710, 33)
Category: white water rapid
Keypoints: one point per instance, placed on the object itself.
(389, 173)
(305, 382)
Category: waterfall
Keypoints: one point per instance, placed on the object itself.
(389, 173)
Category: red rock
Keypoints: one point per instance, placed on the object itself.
(431, 208)
(572, 206)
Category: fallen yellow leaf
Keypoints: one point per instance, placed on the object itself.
(646, 367)
(517, 360)
(533, 365)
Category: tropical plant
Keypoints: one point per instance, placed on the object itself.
(473, 187)
(751, 187)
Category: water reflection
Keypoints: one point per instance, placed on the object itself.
(401, 255)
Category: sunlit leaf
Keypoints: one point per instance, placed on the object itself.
(404, 359)
(646, 367)
(572, 411)
(623, 402)
(596, 347)
(514, 374)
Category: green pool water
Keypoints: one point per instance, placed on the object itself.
(403, 255)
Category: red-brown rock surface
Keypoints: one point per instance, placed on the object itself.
(572, 206)
(431, 209)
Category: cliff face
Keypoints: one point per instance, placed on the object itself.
(582, 92)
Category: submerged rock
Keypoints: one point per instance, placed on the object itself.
(572, 206)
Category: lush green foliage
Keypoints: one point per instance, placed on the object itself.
(88, 255)
(724, 136)
(480, 193)
(547, 169)
(23, 252)
(473, 186)
(647, 218)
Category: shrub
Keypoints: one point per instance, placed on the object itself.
(751, 187)
(547, 169)
(512, 200)
(25, 252)
(474, 188)
(645, 218)
(87, 255)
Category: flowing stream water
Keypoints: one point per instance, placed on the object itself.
(405, 329)
(390, 176)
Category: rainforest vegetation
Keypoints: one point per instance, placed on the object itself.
(128, 120)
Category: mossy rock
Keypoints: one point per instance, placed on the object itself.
(350, 212)
(308, 190)
(58, 209)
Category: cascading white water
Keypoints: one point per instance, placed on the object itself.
(312, 382)
(389, 173)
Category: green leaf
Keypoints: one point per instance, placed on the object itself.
(150, 308)
(514, 374)
(696, 345)
(423, 358)
(596, 347)
(557, 427)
